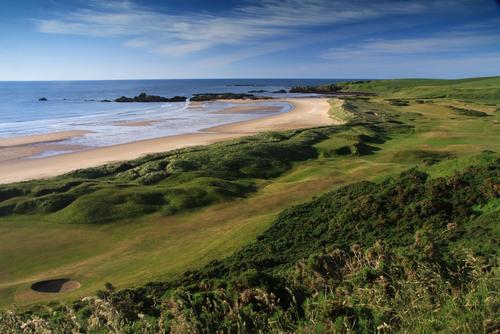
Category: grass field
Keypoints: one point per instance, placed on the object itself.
(137, 245)
(479, 90)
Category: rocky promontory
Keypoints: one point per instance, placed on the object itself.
(223, 96)
(322, 89)
(143, 97)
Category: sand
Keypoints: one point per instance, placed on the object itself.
(58, 285)
(37, 139)
(254, 109)
(306, 113)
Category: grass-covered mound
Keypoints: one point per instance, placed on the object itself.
(485, 90)
(409, 254)
(166, 183)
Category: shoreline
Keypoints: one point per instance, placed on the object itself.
(307, 112)
(41, 139)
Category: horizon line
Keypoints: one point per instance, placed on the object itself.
(256, 78)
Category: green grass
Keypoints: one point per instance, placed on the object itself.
(482, 90)
(154, 218)
(352, 259)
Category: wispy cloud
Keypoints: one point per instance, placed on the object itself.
(246, 25)
(464, 39)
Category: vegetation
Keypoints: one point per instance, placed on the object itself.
(469, 112)
(484, 90)
(351, 260)
(396, 210)
(165, 183)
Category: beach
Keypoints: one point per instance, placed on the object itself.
(17, 161)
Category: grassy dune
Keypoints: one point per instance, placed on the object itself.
(236, 191)
(483, 90)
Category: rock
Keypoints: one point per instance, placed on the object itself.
(257, 91)
(178, 99)
(222, 96)
(105, 100)
(281, 91)
(143, 97)
(42, 99)
(323, 89)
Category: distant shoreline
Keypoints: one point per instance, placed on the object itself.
(307, 112)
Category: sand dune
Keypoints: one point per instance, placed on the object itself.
(306, 113)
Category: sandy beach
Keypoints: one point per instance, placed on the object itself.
(14, 167)
(39, 139)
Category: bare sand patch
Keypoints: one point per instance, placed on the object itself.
(307, 113)
(254, 109)
(58, 285)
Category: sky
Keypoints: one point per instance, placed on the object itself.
(171, 39)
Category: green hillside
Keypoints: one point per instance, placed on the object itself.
(484, 90)
(329, 230)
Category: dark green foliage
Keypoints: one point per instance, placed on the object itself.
(364, 149)
(469, 112)
(344, 150)
(365, 212)
(177, 180)
(398, 102)
(8, 192)
(351, 260)
(426, 156)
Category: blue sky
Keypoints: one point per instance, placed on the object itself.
(139, 39)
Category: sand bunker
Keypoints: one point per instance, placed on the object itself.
(56, 285)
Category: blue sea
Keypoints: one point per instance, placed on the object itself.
(75, 105)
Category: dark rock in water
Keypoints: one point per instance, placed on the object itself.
(178, 99)
(222, 96)
(323, 89)
(42, 99)
(281, 91)
(257, 91)
(105, 100)
(143, 97)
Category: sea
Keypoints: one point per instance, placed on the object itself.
(76, 105)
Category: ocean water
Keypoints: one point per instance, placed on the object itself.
(75, 105)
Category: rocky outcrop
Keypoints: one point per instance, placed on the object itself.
(323, 89)
(281, 91)
(42, 99)
(223, 96)
(143, 97)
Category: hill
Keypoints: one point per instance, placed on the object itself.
(333, 229)
(484, 90)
